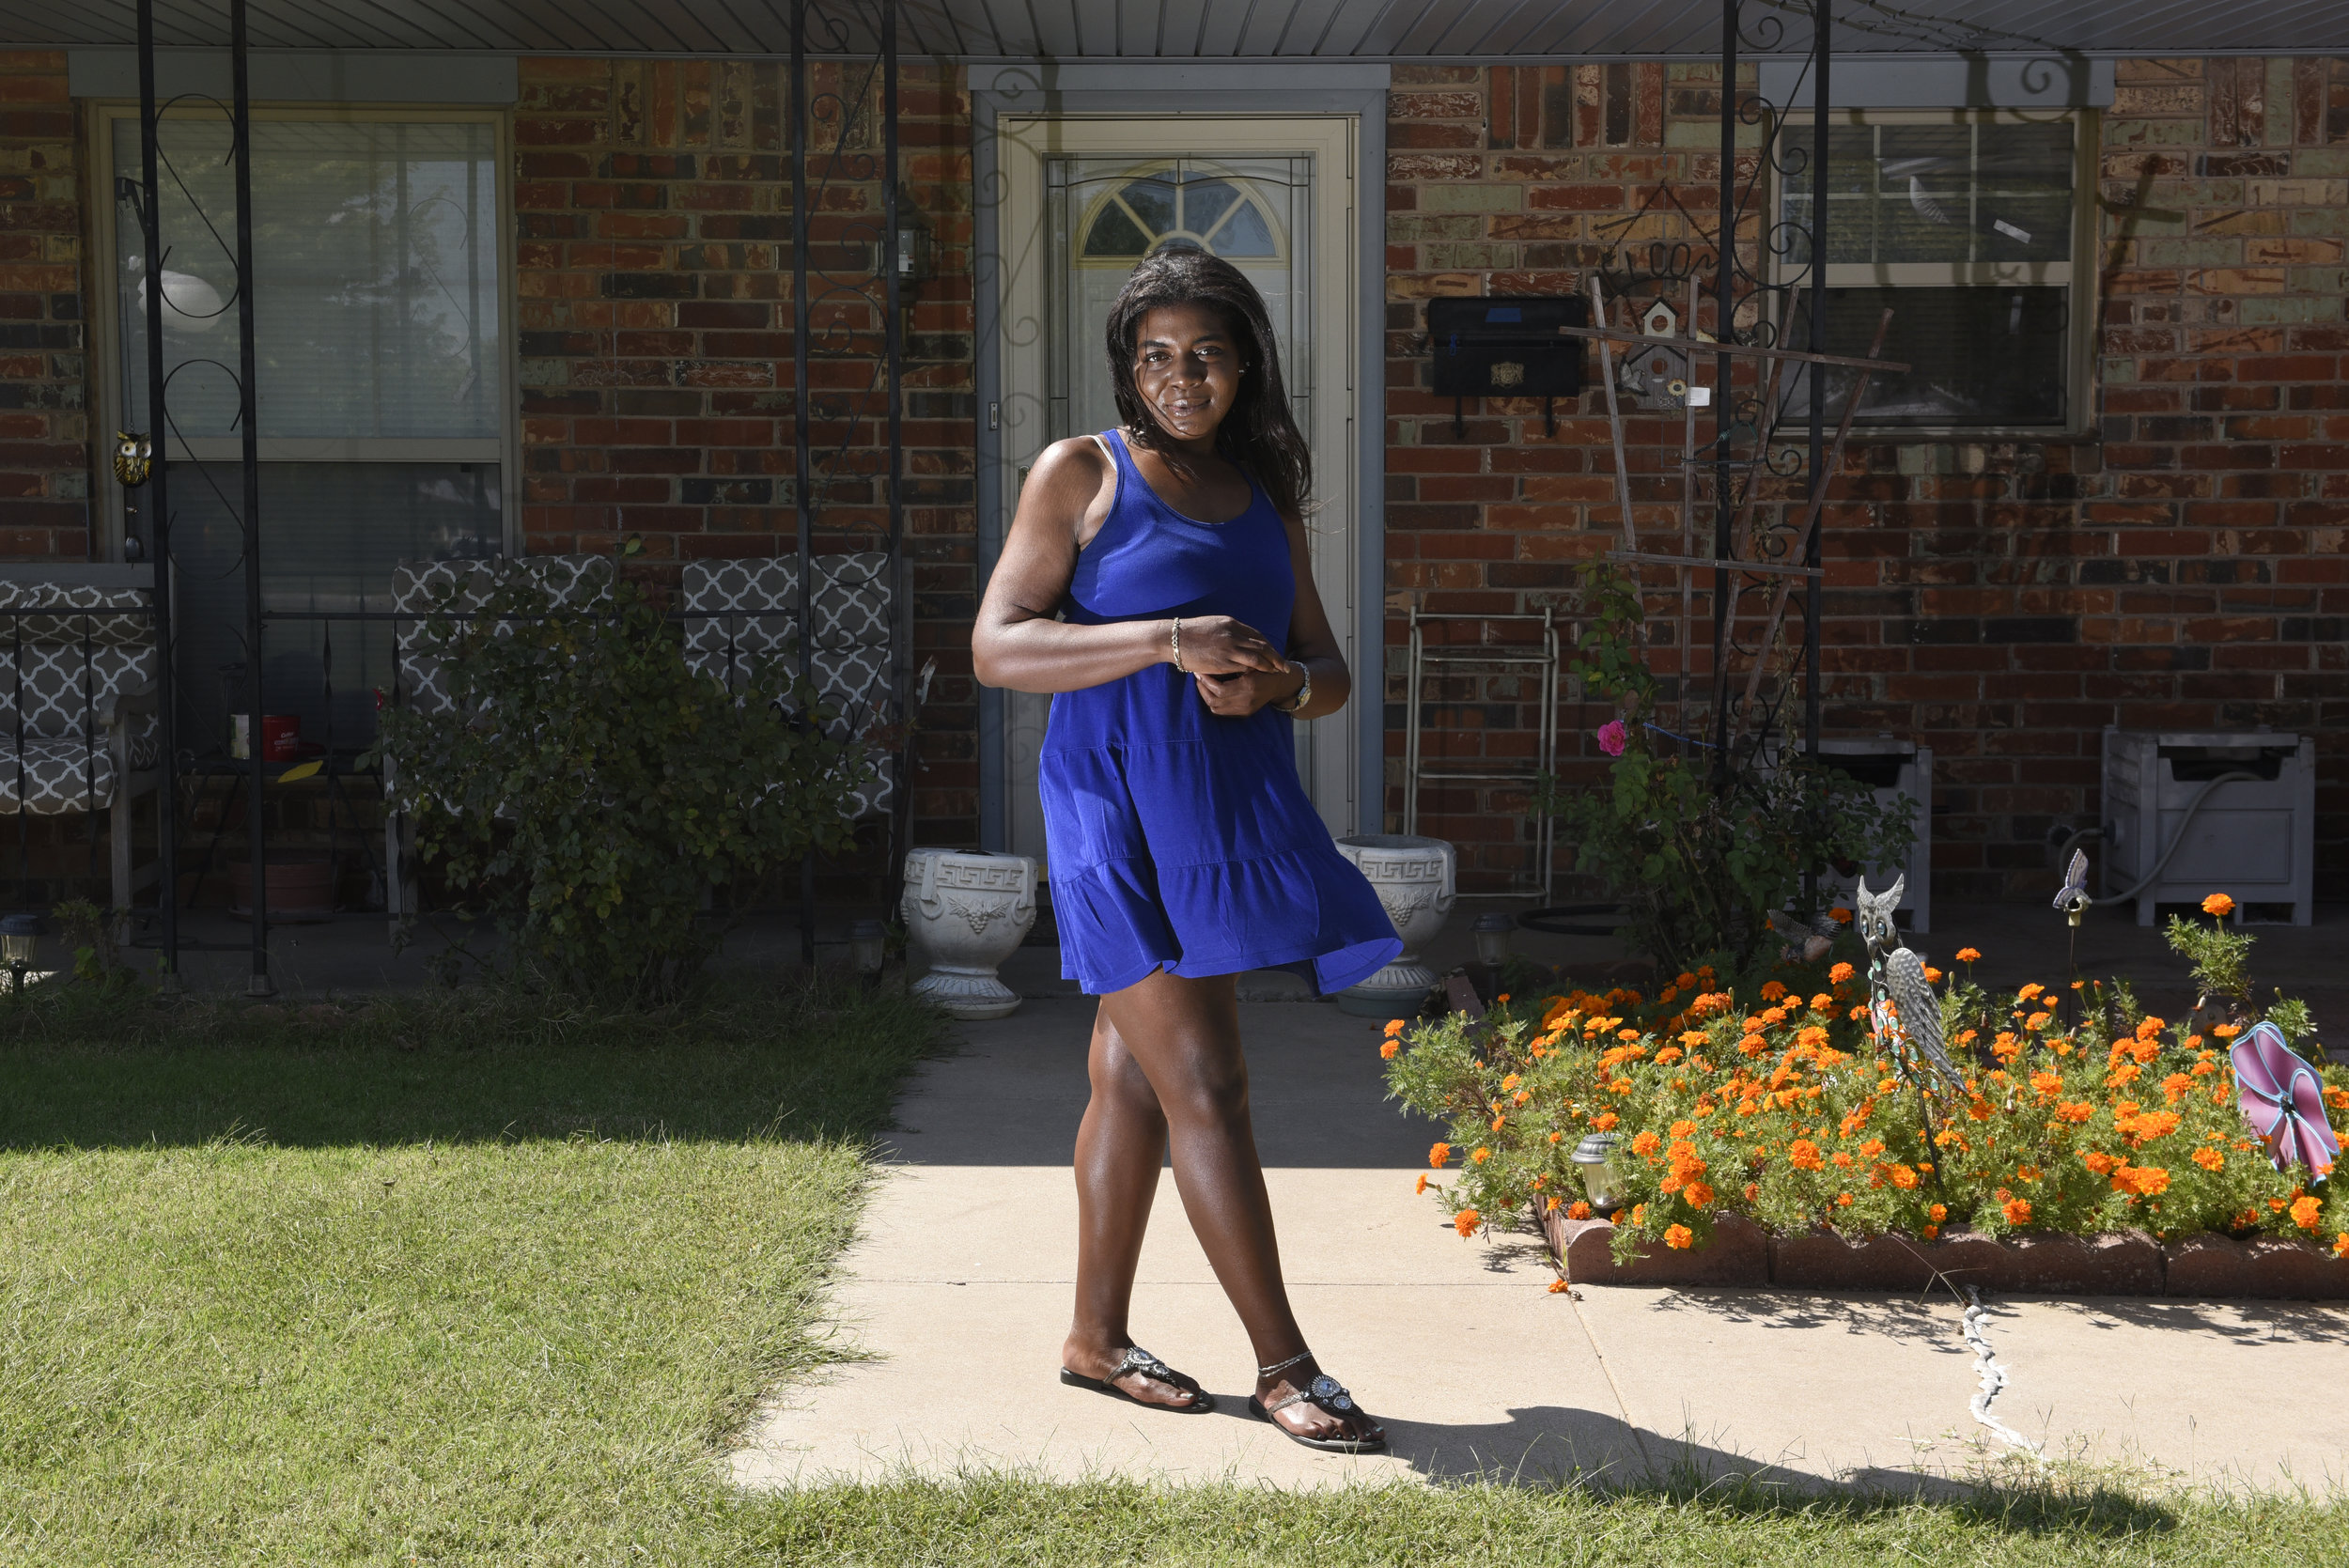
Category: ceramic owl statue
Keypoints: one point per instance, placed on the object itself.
(1901, 1003)
(134, 459)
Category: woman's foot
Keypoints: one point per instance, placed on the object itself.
(1133, 1373)
(1315, 1409)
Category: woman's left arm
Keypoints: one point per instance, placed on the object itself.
(1313, 647)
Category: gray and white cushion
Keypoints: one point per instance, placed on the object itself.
(62, 676)
(737, 613)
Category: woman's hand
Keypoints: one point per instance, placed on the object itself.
(1220, 645)
(1238, 696)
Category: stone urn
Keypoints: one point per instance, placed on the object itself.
(1413, 879)
(965, 911)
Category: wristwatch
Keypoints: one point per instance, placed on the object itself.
(1304, 692)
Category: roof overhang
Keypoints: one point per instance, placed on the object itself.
(1393, 31)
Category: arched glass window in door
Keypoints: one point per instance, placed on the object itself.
(1180, 206)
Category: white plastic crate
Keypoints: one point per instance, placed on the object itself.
(2254, 840)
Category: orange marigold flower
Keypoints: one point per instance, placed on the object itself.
(2218, 904)
(1668, 1055)
(1422, 1184)
(1700, 1195)
(1438, 1153)
(1872, 1148)
(2305, 1212)
(1465, 1222)
(1839, 973)
(1389, 1048)
(2038, 1022)
(1604, 1120)
(2209, 1160)
(2226, 1030)
(1678, 1236)
(1773, 989)
(1939, 1213)
(1842, 1160)
(1930, 1232)
(1394, 1027)
(1501, 1001)
(1557, 1286)
(2034, 989)
(1481, 1156)
(1753, 1044)
(2073, 1111)
(1822, 1003)
(1803, 1154)
(1905, 1177)
(1933, 976)
(2018, 1211)
(2149, 1026)
(2340, 1245)
(1683, 1129)
(1859, 1010)
(1647, 1142)
(2337, 1098)
(1639, 1214)
(2027, 1172)
(1578, 1210)
(1840, 915)
(1843, 1199)
(1753, 1192)
(2100, 1163)
(1968, 954)
(2173, 1088)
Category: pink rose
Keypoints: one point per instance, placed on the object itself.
(1612, 738)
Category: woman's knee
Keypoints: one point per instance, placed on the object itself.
(1117, 1077)
(1212, 1089)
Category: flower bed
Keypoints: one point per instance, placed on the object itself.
(1765, 1099)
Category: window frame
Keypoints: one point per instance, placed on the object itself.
(2079, 275)
(105, 375)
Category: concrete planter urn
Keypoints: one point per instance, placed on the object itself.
(1414, 880)
(965, 912)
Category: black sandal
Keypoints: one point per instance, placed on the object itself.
(1140, 1360)
(1328, 1395)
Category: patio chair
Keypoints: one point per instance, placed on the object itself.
(739, 611)
(417, 587)
(79, 726)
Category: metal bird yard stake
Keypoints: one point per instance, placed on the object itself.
(1903, 1012)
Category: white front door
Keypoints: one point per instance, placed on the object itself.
(1082, 201)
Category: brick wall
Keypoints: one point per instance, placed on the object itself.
(654, 281)
(2181, 565)
(44, 435)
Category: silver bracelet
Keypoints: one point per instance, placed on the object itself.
(1177, 635)
(1283, 1366)
(1304, 692)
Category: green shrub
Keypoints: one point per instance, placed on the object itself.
(594, 793)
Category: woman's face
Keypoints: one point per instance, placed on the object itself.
(1188, 368)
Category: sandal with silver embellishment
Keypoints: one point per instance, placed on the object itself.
(1140, 1360)
(1328, 1395)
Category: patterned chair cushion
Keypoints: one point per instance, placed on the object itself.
(739, 611)
(61, 677)
(63, 774)
(417, 586)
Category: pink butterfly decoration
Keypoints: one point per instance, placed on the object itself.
(2282, 1098)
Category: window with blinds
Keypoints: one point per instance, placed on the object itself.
(1967, 225)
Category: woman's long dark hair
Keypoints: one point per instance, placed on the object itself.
(1259, 435)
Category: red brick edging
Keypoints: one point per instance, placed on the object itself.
(2125, 1262)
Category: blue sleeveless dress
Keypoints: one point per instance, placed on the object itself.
(1178, 839)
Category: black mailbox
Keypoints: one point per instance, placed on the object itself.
(1506, 346)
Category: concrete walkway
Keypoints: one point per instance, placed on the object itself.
(960, 1289)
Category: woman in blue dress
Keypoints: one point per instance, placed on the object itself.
(1156, 583)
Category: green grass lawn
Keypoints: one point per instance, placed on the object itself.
(469, 1280)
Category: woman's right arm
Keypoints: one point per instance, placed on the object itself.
(1017, 643)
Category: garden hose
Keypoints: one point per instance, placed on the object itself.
(2083, 835)
(1552, 920)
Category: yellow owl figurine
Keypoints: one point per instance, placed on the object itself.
(134, 458)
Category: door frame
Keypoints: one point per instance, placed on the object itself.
(1158, 90)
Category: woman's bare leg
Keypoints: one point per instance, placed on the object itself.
(1182, 1038)
(1120, 1147)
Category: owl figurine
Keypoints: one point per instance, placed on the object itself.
(134, 459)
(1901, 1003)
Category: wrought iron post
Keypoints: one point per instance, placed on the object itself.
(1823, 17)
(802, 481)
(249, 459)
(893, 350)
(159, 502)
(1724, 422)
